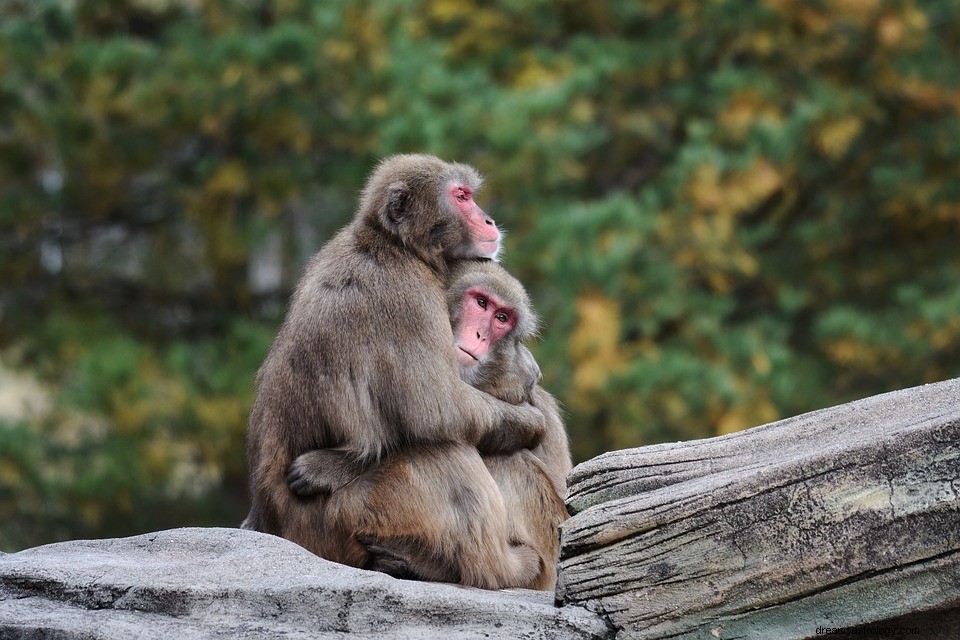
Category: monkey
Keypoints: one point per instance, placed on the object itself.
(453, 522)
(509, 371)
(532, 482)
(364, 361)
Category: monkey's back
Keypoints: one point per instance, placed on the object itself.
(331, 377)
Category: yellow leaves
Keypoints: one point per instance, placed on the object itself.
(890, 30)
(582, 110)
(746, 109)
(450, 10)
(843, 351)
(740, 192)
(751, 412)
(129, 414)
(11, 475)
(945, 335)
(940, 334)
(948, 212)
(290, 129)
(479, 28)
(904, 29)
(224, 418)
(756, 184)
(290, 74)
(151, 397)
(365, 40)
(819, 19)
(927, 95)
(232, 75)
(594, 346)
(718, 200)
(340, 50)
(91, 513)
(532, 73)
(230, 178)
(752, 406)
(761, 363)
(219, 411)
(179, 466)
(378, 105)
(156, 456)
(852, 353)
(860, 12)
(835, 137)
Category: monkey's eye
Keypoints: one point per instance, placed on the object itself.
(481, 302)
(501, 318)
(462, 195)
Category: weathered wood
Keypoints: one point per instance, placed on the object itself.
(843, 517)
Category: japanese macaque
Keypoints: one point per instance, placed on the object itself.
(363, 361)
(442, 511)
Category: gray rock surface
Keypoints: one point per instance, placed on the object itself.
(847, 517)
(229, 583)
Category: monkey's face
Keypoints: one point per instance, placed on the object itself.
(484, 236)
(485, 319)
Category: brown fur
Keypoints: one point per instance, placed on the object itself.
(443, 512)
(364, 359)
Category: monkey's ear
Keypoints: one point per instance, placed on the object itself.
(398, 196)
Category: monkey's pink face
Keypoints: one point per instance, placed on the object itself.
(483, 230)
(484, 320)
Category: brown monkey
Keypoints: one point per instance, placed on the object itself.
(436, 512)
(508, 370)
(364, 361)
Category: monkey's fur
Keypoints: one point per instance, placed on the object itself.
(441, 512)
(363, 361)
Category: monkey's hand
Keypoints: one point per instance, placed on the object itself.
(322, 471)
(523, 428)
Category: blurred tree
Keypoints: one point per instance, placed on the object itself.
(726, 212)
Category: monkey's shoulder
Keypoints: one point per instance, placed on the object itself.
(350, 259)
(342, 279)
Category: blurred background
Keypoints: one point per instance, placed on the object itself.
(726, 212)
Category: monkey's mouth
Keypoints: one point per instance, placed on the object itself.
(465, 358)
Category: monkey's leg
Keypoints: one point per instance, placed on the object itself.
(435, 513)
(535, 507)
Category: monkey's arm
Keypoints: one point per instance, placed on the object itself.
(554, 449)
(433, 404)
(514, 434)
(322, 471)
(503, 427)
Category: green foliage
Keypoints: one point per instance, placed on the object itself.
(726, 212)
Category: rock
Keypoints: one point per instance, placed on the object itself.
(842, 518)
(845, 517)
(229, 583)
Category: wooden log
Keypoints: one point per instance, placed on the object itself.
(840, 518)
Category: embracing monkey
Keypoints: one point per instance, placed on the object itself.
(363, 361)
(441, 511)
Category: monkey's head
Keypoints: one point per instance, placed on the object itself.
(428, 206)
(491, 317)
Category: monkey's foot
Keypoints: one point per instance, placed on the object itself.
(321, 471)
(385, 560)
